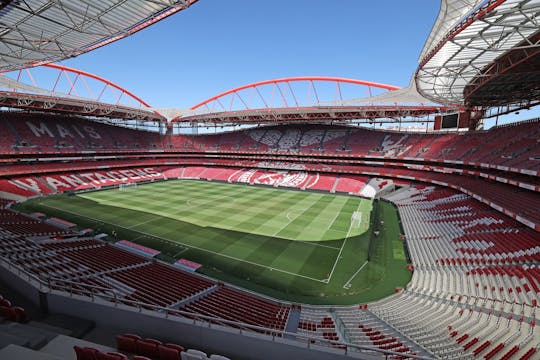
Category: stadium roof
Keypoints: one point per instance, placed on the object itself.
(479, 53)
(482, 53)
(307, 99)
(58, 88)
(33, 32)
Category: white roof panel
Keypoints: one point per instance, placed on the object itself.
(39, 31)
(469, 35)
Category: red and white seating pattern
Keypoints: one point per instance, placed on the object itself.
(366, 329)
(45, 133)
(452, 227)
(52, 183)
(474, 291)
(278, 178)
(231, 304)
(351, 184)
(477, 147)
(323, 182)
(85, 264)
(359, 327)
(376, 186)
(9, 190)
(452, 330)
(317, 324)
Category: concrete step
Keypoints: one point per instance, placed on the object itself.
(37, 338)
(16, 352)
(78, 326)
(62, 347)
(7, 339)
(50, 328)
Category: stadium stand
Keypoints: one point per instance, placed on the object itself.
(7, 187)
(54, 337)
(471, 229)
(492, 191)
(450, 237)
(475, 286)
(474, 303)
(47, 133)
(91, 264)
(318, 324)
(324, 182)
(44, 133)
(351, 184)
(230, 304)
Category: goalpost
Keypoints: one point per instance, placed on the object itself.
(356, 219)
(126, 186)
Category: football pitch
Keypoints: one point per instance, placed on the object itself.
(295, 245)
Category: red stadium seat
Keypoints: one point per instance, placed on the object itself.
(111, 356)
(170, 352)
(127, 343)
(86, 353)
(148, 347)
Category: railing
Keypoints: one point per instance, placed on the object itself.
(340, 326)
(85, 292)
(516, 123)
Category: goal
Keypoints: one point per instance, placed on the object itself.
(356, 219)
(126, 186)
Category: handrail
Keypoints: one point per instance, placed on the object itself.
(51, 285)
(516, 123)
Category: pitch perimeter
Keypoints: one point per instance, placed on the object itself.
(292, 242)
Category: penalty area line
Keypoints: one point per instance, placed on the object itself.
(348, 283)
(300, 211)
(341, 250)
(180, 252)
(144, 222)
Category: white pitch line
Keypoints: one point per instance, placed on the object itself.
(348, 283)
(180, 252)
(297, 216)
(316, 243)
(144, 222)
(334, 220)
(189, 202)
(290, 221)
(341, 250)
(196, 247)
(337, 258)
(305, 242)
(138, 237)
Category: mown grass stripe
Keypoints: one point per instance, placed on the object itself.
(229, 229)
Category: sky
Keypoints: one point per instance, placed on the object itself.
(216, 45)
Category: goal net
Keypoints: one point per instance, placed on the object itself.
(356, 219)
(126, 186)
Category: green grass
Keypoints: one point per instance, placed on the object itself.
(294, 245)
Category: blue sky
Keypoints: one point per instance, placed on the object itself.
(216, 45)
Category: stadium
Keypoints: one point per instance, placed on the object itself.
(305, 217)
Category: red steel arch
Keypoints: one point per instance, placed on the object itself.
(328, 105)
(82, 84)
(79, 73)
(338, 81)
(54, 87)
